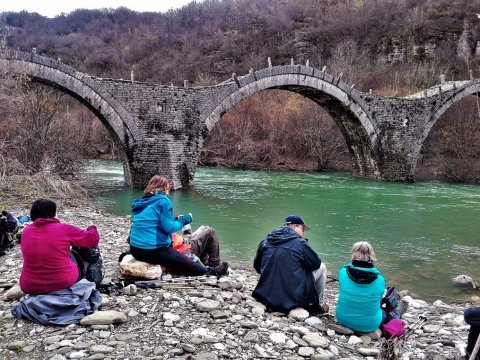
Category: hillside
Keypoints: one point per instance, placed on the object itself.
(393, 47)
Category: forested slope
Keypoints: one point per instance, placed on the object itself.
(393, 47)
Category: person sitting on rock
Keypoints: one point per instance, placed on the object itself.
(203, 243)
(48, 262)
(151, 232)
(291, 273)
(361, 289)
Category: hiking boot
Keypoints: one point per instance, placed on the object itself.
(402, 308)
(323, 308)
(222, 269)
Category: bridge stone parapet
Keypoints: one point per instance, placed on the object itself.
(161, 129)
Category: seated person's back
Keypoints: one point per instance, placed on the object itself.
(361, 290)
(47, 263)
(291, 273)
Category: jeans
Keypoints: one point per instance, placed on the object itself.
(320, 277)
(472, 318)
(205, 245)
(176, 262)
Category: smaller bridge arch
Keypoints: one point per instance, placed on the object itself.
(458, 91)
(348, 110)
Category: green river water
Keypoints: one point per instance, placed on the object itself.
(423, 234)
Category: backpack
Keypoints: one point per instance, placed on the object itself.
(8, 225)
(390, 299)
(394, 328)
(90, 263)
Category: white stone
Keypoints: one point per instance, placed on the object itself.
(354, 340)
(298, 314)
(306, 351)
(170, 316)
(104, 318)
(334, 350)
(77, 355)
(368, 351)
(278, 338)
(219, 346)
(431, 328)
(313, 320)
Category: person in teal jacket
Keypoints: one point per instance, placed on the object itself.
(152, 226)
(361, 291)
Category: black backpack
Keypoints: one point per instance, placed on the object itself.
(90, 262)
(8, 225)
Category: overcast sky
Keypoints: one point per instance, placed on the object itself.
(51, 8)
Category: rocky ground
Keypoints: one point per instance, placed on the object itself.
(207, 319)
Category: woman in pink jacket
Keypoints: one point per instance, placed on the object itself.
(47, 261)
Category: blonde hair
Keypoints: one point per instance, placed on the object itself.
(157, 184)
(363, 251)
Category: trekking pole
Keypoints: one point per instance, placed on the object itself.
(473, 356)
(417, 324)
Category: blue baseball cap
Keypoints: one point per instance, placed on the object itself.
(295, 219)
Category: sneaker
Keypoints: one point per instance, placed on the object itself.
(323, 308)
(402, 308)
(222, 269)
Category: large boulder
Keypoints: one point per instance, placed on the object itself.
(131, 267)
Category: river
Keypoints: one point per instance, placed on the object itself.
(423, 234)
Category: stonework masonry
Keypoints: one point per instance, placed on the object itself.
(161, 129)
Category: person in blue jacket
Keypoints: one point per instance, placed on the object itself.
(291, 273)
(361, 291)
(152, 226)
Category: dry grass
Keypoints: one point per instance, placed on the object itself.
(21, 190)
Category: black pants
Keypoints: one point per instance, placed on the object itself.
(472, 318)
(176, 262)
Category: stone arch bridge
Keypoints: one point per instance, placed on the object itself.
(161, 129)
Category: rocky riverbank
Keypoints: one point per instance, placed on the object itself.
(207, 319)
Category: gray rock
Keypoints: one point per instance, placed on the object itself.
(14, 293)
(299, 314)
(102, 349)
(16, 345)
(316, 340)
(188, 348)
(104, 317)
(340, 329)
(249, 324)
(205, 356)
(207, 305)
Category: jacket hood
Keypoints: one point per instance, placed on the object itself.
(281, 235)
(361, 275)
(139, 205)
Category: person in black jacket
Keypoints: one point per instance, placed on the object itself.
(291, 273)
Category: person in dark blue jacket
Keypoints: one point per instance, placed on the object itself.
(152, 226)
(291, 273)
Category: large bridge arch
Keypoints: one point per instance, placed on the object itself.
(342, 102)
(80, 86)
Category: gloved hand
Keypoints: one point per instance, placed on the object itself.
(186, 218)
